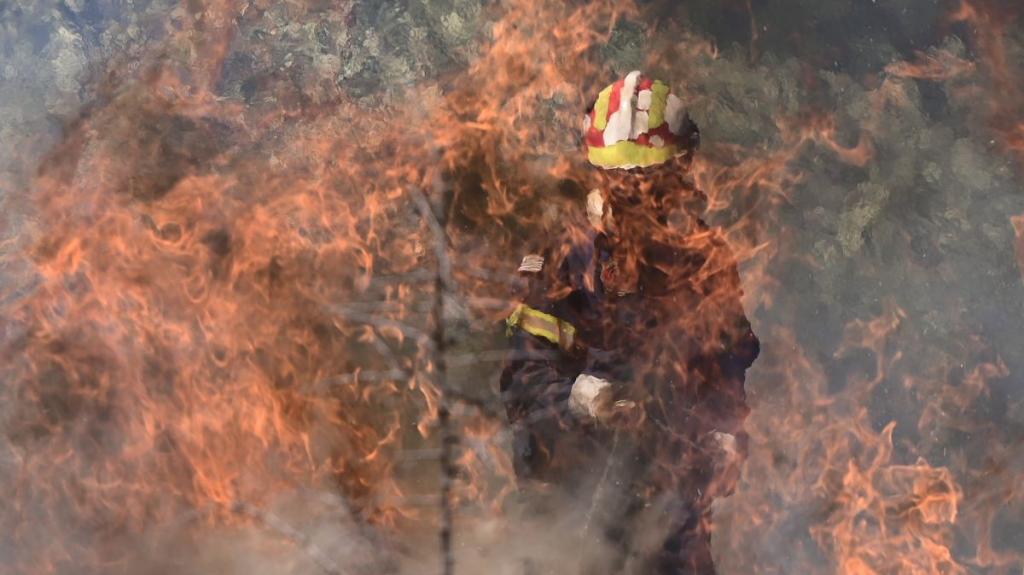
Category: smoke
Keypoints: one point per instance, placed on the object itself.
(216, 296)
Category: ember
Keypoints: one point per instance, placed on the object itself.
(259, 262)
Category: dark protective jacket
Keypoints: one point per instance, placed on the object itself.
(653, 297)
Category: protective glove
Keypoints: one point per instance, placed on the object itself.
(592, 400)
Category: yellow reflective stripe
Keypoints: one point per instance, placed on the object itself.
(513, 319)
(628, 153)
(545, 327)
(540, 324)
(659, 99)
(601, 108)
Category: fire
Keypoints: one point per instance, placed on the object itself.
(939, 65)
(990, 26)
(235, 305)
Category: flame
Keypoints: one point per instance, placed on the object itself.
(990, 25)
(938, 65)
(235, 303)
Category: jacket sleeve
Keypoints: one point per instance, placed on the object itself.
(723, 401)
(712, 350)
(535, 387)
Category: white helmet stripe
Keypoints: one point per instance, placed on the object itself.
(674, 114)
(620, 122)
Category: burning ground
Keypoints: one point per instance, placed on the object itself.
(255, 258)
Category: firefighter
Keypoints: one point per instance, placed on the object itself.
(624, 386)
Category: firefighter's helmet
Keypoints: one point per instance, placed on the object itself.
(637, 122)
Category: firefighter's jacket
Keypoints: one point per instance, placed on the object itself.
(672, 338)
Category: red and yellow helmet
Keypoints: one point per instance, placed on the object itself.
(637, 122)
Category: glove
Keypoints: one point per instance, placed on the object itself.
(590, 398)
(728, 463)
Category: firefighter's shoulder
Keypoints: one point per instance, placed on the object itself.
(533, 315)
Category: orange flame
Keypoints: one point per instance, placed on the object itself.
(230, 307)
